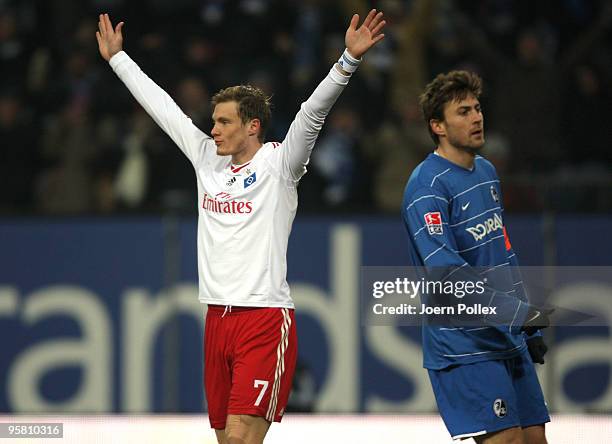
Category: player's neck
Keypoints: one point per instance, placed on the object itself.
(246, 154)
(460, 157)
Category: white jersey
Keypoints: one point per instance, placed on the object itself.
(245, 212)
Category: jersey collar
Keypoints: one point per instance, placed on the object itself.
(448, 163)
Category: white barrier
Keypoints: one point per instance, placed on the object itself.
(295, 429)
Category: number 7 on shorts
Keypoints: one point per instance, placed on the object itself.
(257, 383)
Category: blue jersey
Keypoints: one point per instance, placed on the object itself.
(454, 218)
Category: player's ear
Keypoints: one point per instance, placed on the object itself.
(254, 127)
(437, 126)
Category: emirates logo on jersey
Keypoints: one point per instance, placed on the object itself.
(223, 203)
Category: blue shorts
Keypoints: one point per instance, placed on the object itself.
(485, 397)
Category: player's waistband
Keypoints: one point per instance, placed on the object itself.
(224, 310)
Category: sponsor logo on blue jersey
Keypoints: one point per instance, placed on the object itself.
(490, 225)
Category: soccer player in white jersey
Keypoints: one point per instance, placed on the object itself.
(247, 201)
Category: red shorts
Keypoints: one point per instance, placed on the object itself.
(249, 361)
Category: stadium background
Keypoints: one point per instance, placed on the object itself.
(98, 297)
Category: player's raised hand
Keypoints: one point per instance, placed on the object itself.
(359, 40)
(110, 41)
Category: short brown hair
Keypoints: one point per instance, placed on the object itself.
(252, 104)
(445, 88)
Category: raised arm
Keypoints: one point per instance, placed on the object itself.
(359, 40)
(110, 40)
(156, 102)
(293, 154)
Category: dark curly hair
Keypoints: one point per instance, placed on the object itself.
(445, 88)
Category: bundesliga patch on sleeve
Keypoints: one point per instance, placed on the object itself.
(433, 221)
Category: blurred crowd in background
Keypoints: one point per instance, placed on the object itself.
(73, 141)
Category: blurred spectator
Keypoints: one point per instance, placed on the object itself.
(587, 133)
(548, 64)
(152, 174)
(519, 193)
(69, 147)
(18, 156)
(525, 101)
(13, 50)
(194, 99)
(132, 179)
(412, 30)
(336, 157)
(199, 57)
(394, 150)
(316, 19)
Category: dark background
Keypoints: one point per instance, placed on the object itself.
(73, 141)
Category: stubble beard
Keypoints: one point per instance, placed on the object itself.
(472, 149)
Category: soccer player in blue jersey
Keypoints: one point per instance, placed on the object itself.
(483, 376)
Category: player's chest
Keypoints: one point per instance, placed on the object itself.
(234, 193)
(476, 216)
(249, 181)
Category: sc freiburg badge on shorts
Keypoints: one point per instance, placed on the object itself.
(499, 408)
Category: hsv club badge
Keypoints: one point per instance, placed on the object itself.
(250, 180)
